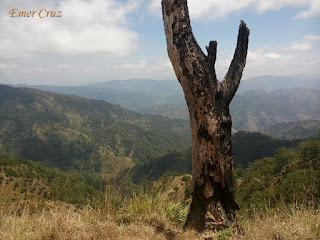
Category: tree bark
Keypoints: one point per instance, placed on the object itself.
(213, 205)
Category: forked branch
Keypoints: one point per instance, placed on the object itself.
(232, 79)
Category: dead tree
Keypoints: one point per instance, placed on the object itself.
(213, 204)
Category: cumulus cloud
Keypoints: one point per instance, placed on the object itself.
(258, 64)
(313, 10)
(86, 27)
(279, 62)
(217, 8)
(279, 59)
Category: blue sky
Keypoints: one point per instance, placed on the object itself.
(101, 40)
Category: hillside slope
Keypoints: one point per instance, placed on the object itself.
(73, 132)
(255, 110)
(294, 130)
(23, 180)
(291, 176)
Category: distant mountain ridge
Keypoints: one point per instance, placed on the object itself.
(294, 130)
(271, 83)
(137, 94)
(130, 94)
(255, 110)
(260, 103)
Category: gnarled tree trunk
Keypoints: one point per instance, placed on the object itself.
(213, 204)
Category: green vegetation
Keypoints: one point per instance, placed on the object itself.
(294, 130)
(70, 132)
(25, 180)
(292, 176)
(257, 110)
(248, 147)
(174, 162)
(147, 216)
(129, 174)
(279, 197)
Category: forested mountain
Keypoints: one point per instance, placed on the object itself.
(73, 132)
(294, 130)
(247, 148)
(291, 176)
(256, 110)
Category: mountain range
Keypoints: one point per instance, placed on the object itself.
(260, 103)
(71, 132)
(255, 110)
(103, 141)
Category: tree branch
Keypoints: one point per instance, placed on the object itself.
(212, 55)
(184, 52)
(232, 79)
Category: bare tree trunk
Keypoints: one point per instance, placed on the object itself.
(213, 205)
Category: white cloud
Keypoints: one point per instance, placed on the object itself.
(218, 8)
(154, 5)
(313, 10)
(86, 27)
(307, 43)
(272, 55)
(264, 62)
(278, 60)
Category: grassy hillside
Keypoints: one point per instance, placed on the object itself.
(279, 197)
(71, 132)
(290, 175)
(23, 180)
(70, 224)
(159, 215)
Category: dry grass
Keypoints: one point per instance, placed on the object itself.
(67, 223)
(284, 224)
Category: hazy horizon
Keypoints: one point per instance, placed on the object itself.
(95, 41)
